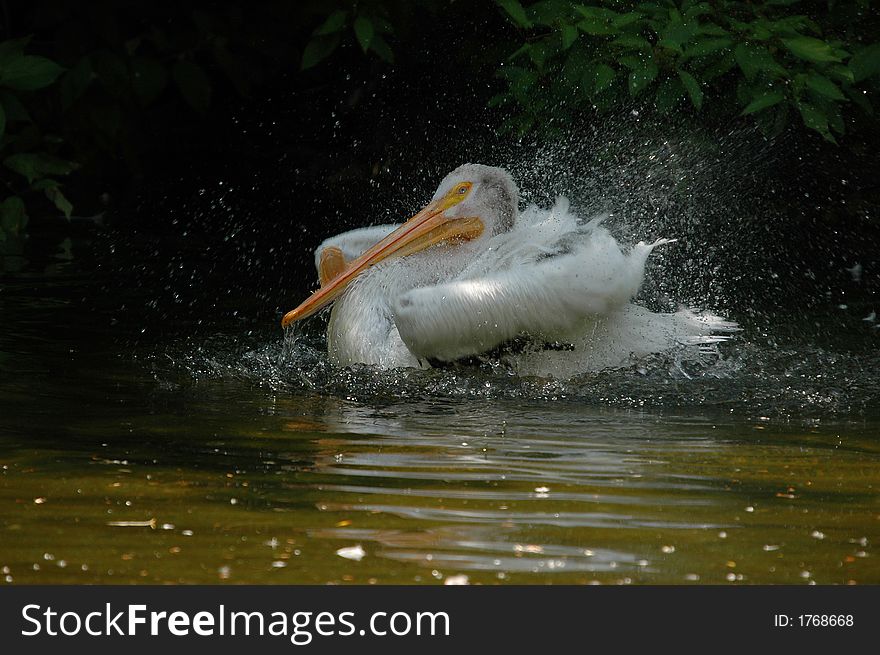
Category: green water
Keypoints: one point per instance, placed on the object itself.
(217, 456)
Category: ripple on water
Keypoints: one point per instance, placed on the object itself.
(633, 474)
(757, 375)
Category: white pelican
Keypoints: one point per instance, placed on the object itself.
(470, 273)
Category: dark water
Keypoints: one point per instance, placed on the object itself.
(213, 453)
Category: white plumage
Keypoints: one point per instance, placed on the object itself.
(545, 275)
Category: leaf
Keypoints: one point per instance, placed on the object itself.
(598, 13)
(815, 119)
(669, 94)
(676, 34)
(15, 111)
(334, 23)
(632, 62)
(235, 71)
(719, 67)
(865, 63)
(132, 45)
(29, 73)
(574, 70)
(516, 12)
(42, 185)
(754, 59)
(75, 82)
(596, 27)
(113, 72)
(318, 49)
(522, 50)
(810, 49)
(602, 76)
(517, 74)
(707, 47)
(193, 84)
(699, 9)
(521, 80)
(773, 121)
(569, 36)
(762, 102)
(364, 31)
(382, 25)
(541, 51)
(842, 73)
(710, 29)
(632, 43)
(12, 49)
(671, 45)
(13, 216)
(835, 117)
(37, 165)
(52, 190)
(759, 31)
(598, 20)
(823, 86)
(860, 99)
(549, 13)
(53, 193)
(693, 88)
(792, 25)
(640, 78)
(623, 20)
(498, 99)
(380, 47)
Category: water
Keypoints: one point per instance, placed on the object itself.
(207, 451)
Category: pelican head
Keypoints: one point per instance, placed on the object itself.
(472, 202)
(489, 194)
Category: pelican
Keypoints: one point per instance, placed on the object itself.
(470, 275)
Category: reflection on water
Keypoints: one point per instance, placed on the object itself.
(225, 458)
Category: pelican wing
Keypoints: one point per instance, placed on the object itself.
(546, 281)
(354, 242)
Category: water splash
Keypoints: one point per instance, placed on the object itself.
(756, 374)
(711, 190)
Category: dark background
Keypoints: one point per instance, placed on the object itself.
(190, 211)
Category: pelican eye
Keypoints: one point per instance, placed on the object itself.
(463, 189)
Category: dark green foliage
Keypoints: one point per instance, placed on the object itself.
(29, 165)
(768, 59)
(105, 89)
(368, 24)
(124, 74)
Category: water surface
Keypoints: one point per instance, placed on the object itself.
(213, 453)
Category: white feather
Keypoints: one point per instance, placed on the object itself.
(354, 242)
(551, 276)
(521, 284)
(623, 337)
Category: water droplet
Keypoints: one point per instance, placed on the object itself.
(356, 553)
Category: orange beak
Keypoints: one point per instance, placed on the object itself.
(423, 230)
